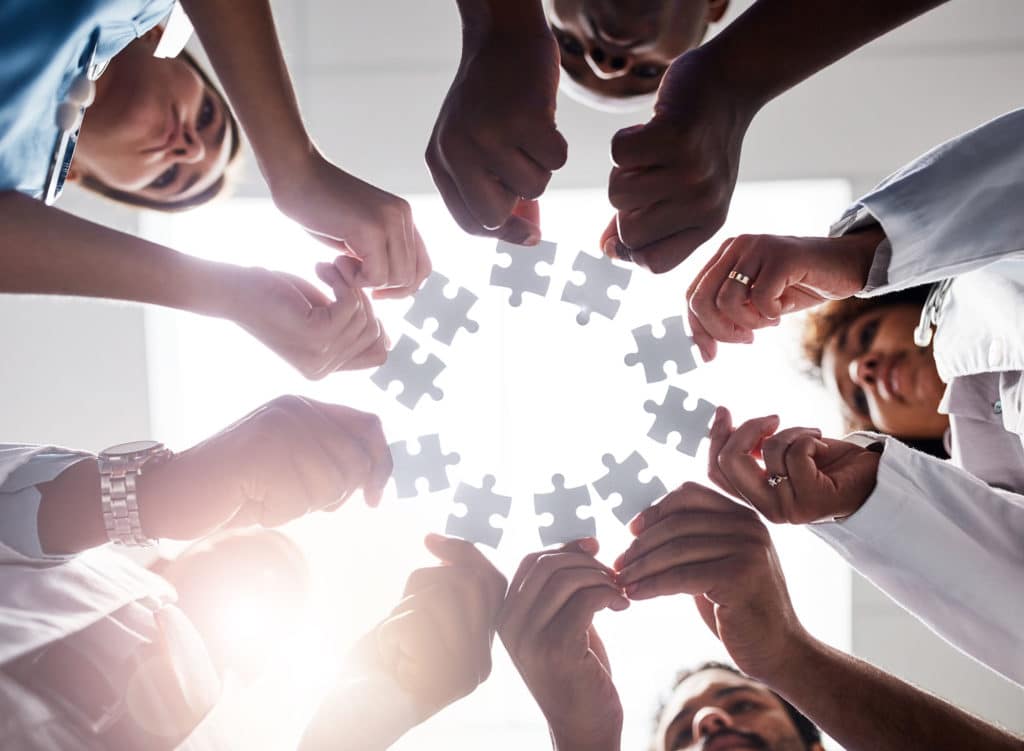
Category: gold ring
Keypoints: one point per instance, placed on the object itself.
(741, 278)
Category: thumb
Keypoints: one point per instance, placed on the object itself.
(523, 226)
(454, 552)
(706, 608)
(610, 243)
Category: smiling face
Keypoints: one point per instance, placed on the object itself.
(621, 48)
(882, 379)
(717, 710)
(156, 129)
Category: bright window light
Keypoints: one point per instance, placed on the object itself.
(530, 395)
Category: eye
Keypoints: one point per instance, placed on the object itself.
(682, 740)
(867, 335)
(206, 113)
(860, 401)
(647, 70)
(742, 706)
(569, 44)
(165, 178)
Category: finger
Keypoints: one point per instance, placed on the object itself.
(587, 545)
(692, 579)
(637, 146)
(562, 586)
(706, 609)
(371, 246)
(635, 189)
(346, 465)
(464, 611)
(706, 344)
(733, 297)
(367, 431)
(610, 243)
(774, 449)
(703, 297)
(488, 199)
(457, 552)
(548, 148)
(577, 615)
(690, 496)
(678, 551)
(738, 463)
(667, 253)
(683, 526)
(802, 460)
(520, 174)
(373, 355)
(721, 429)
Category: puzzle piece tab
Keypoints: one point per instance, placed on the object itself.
(672, 417)
(416, 378)
(562, 504)
(521, 274)
(654, 352)
(624, 479)
(451, 313)
(592, 296)
(431, 463)
(480, 504)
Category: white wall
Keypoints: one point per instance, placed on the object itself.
(371, 76)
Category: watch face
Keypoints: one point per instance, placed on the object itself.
(135, 447)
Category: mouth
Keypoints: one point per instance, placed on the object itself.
(731, 742)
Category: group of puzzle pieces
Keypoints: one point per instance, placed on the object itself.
(482, 504)
(601, 274)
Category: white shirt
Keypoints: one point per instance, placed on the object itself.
(937, 536)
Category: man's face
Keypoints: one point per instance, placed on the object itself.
(716, 710)
(621, 48)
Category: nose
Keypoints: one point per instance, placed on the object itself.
(863, 370)
(709, 721)
(607, 61)
(188, 147)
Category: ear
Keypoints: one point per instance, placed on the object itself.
(717, 9)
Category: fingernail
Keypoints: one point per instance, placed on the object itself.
(636, 525)
(788, 307)
(620, 604)
(588, 545)
(617, 565)
(632, 590)
(533, 238)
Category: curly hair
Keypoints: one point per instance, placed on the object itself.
(216, 190)
(808, 731)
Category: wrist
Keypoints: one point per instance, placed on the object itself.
(566, 742)
(718, 72)
(804, 657)
(860, 248)
(287, 167)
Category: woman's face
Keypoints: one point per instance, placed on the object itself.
(155, 129)
(621, 48)
(882, 378)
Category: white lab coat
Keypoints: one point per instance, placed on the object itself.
(936, 535)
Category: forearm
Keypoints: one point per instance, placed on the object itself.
(70, 518)
(241, 41)
(865, 709)
(776, 44)
(503, 16)
(45, 251)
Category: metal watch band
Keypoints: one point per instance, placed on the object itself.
(118, 496)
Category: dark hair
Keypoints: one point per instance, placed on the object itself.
(213, 191)
(828, 319)
(808, 731)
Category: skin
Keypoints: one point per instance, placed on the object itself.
(716, 709)
(622, 49)
(882, 378)
(155, 128)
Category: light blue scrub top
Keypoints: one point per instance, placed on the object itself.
(41, 46)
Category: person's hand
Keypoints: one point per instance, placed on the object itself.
(436, 643)
(547, 628)
(364, 223)
(785, 274)
(289, 457)
(300, 323)
(697, 542)
(495, 143)
(674, 176)
(822, 478)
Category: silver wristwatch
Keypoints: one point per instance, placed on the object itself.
(120, 466)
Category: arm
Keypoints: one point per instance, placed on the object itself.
(547, 628)
(740, 592)
(495, 143)
(875, 711)
(675, 176)
(936, 539)
(433, 649)
(346, 213)
(287, 458)
(952, 210)
(45, 251)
